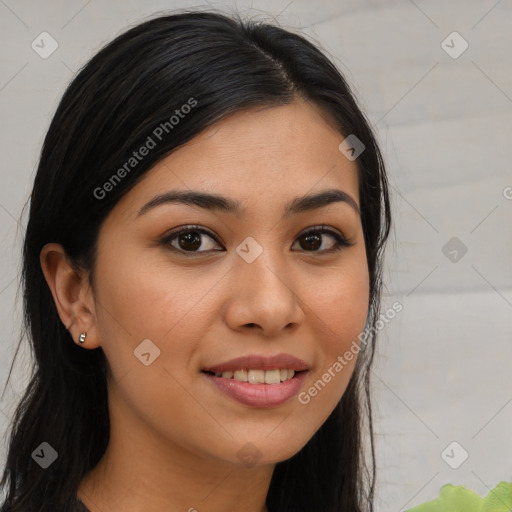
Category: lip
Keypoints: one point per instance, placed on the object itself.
(259, 395)
(259, 362)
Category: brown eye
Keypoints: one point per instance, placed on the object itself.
(189, 239)
(312, 240)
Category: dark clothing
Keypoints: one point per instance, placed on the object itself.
(80, 507)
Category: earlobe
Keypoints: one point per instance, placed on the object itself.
(67, 287)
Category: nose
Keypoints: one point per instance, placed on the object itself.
(265, 296)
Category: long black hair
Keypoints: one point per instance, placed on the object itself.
(217, 65)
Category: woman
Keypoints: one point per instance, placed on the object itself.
(233, 378)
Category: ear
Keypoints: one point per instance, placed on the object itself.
(71, 293)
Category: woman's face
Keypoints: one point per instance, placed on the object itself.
(246, 283)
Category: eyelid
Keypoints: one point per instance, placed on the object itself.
(325, 229)
(189, 227)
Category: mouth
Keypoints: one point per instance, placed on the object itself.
(258, 388)
(258, 380)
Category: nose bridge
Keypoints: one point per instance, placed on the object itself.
(262, 262)
(263, 293)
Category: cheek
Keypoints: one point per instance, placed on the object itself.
(145, 300)
(141, 300)
(340, 309)
(341, 302)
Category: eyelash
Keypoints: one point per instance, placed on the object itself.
(341, 241)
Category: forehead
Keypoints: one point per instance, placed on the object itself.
(260, 157)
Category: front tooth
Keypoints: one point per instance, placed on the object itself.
(241, 375)
(227, 375)
(291, 373)
(256, 376)
(283, 375)
(272, 377)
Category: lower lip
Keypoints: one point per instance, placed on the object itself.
(259, 395)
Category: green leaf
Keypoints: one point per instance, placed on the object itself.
(452, 499)
(459, 499)
(499, 499)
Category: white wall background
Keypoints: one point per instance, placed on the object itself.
(443, 370)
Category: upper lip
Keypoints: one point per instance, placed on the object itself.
(259, 362)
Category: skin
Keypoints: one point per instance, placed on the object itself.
(174, 437)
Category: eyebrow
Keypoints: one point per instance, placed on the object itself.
(227, 205)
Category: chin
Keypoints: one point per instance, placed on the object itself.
(263, 450)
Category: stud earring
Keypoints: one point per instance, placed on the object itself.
(82, 337)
